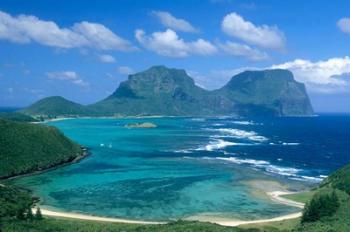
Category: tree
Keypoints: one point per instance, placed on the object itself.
(321, 205)
(29, 214)
(38, 214)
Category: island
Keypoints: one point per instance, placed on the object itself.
(141, 125)
(165, 91)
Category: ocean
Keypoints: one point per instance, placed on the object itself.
(192, 166)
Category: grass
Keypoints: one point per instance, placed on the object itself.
(302, 197)
(71, 225)
(285, 225)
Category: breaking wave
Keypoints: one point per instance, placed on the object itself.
(289, 172)
(240, 134)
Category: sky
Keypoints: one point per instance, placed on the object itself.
(82, 50)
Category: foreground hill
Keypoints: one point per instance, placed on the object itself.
(18, 117)
(26, 148)
(165, 91)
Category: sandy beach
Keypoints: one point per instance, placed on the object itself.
(51, 213)
(275, 196)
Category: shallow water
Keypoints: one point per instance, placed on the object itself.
(189, 166)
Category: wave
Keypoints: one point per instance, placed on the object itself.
(284, 144)
(245, 123)
(243, 161)
(290, 144)
(289, 172)
(198, 119)
(241, 134)
(216, 145)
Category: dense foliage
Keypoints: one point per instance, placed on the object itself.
(321, 205)
(15, 203)
(340, 179)
(26, 148)
(66, 225)
(18, 117)
(164, 91)
(328, 210)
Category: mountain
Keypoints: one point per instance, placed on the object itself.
(268, 92)
(157, 91)
(54, 106)
(167, 91)
(26, 148)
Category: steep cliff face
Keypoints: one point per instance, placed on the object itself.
(273, 92)
(165, 91)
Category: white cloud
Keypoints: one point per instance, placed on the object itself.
(170, 21)
(105, 58)
(28, 28)
(243, 50)
(101, 37)
(168, 43)
(324, 76)
(344, 25)
(264, 36)
(70, 76)
(125, 70)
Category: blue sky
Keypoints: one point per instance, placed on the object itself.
(82, 50)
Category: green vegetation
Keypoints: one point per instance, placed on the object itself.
(340, 179)
(26, 148)
(164, 91)
(268, 92)
(66, 225)
(18, 117)
(15, 204)
(51, 107)
(302, 197)
(329, 208)
(321, 205)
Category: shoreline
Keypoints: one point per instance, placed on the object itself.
(275, 196)
(53, 167)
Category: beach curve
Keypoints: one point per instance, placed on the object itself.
(275, 196)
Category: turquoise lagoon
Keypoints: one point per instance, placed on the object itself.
(182, 168)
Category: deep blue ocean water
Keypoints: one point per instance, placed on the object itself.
(191, 166)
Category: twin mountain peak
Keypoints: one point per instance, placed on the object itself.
(168, 91)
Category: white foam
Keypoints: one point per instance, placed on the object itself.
(218, 124)
(198, 119)
(241, 134)
(183, 151)
(244, 161)
(290, 144)
(289, 172)
(245, 123)
(216, 144)
(284, 171)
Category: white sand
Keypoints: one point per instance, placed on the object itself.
(275, 196)
(91, 218)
